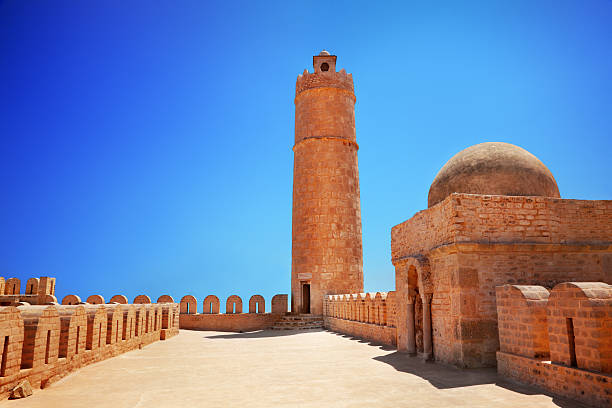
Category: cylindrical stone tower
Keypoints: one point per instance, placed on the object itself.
(326, 244)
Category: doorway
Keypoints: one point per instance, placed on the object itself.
(306, 298)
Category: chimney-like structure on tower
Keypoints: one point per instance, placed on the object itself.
(326, 242)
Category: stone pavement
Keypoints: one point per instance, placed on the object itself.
(278, 369)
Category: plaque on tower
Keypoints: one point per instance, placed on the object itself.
(304, 276)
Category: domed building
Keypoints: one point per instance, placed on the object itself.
(493, 168)
(494, 217)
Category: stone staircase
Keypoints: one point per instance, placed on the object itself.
(299, 322)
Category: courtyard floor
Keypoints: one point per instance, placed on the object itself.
(278, 369)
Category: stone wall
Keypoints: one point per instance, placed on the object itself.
(460, 249)
(370, 316)
(571, 326)
(233, 320)
(43, 343)
(594, 389)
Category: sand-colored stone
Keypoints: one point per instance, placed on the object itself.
(278, 369)
(493, 168)
(326, 219)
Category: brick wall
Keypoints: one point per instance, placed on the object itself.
(579, 317)
(42, 340)
(521, 314)
(469, 244)
(591, 388)
(233, 320)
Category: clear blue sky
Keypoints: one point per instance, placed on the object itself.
(146, 145)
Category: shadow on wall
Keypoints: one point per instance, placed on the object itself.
(444, 376)
(261, 334)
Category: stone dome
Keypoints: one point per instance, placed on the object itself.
(493, 168)
(323, 53)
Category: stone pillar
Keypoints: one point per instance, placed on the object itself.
(427, 341)
(411, 340)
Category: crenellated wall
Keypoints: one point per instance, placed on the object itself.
(370, 316)
(43, 343)
(234, 319)
(559, 340)
(37, 291)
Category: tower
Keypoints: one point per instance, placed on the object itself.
(326, 241)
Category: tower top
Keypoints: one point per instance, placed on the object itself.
(324, 62)
(324, 75)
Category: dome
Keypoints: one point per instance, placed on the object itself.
(493, 168)
(323, 53)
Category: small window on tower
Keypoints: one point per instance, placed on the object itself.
(325, 67)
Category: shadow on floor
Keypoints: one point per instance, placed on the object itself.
(262, 333)
(444, 376)
(381, 346)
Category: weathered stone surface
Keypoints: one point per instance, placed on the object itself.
(493, 168)
(326, 239)
(22, 390)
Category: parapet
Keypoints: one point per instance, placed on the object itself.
(46, 342)
(324, 76)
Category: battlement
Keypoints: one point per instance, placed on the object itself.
(324, 75)
(38, 291)
(371, 316)
(43, 343)
(328, 79)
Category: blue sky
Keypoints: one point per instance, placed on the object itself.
(146, 145)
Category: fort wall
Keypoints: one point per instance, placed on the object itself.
(561, 342)
(43, 343)
(234, 319)
(369, 316)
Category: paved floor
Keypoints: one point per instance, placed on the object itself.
(277, 369)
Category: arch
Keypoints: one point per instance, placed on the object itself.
(12, 287)
(141, 318)
(165, 299)
(41, 335)
(50, 300)
(370, 307)
(142, 299)
(114, 324)
(129, 322)
(257, 304)
(280, 304)
(233, 305)
(391, 308)
(176, 314)
(211, 304)
(376, 308)
(31, 286)
(157, 321)
(167, 316)
(96, 326)
(150, 318)
(11, 329)
(361, 307)
(119, 299)
(73, 331)
(71, 300)
(95, 300)
(347, 307)
(189, 305)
